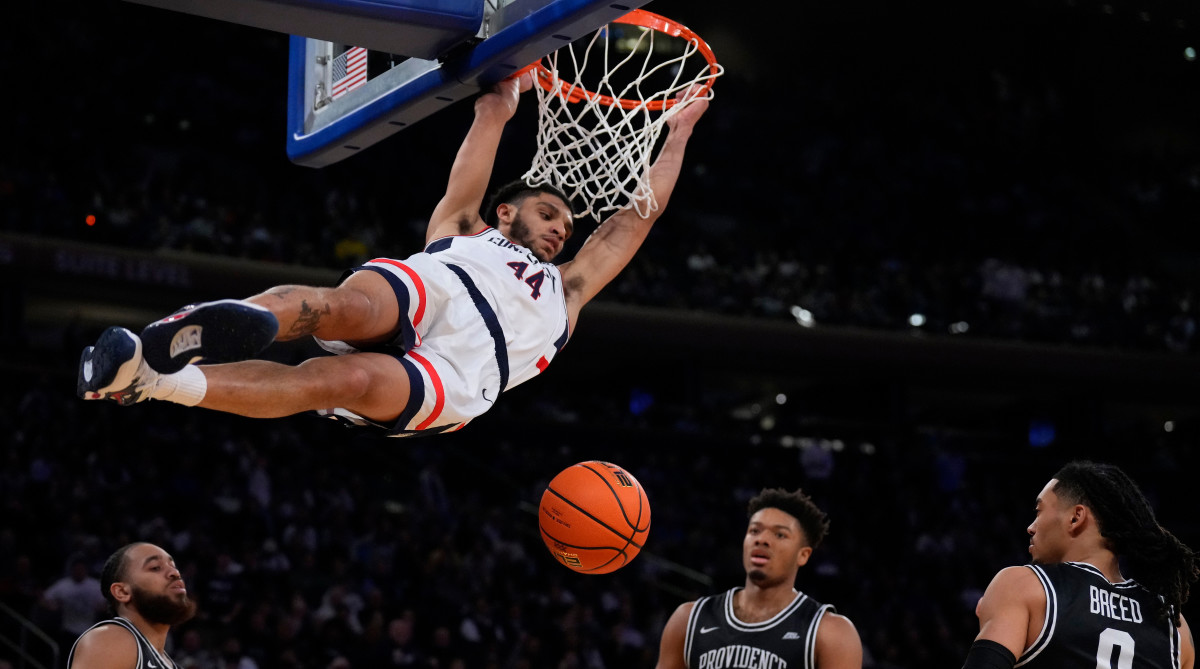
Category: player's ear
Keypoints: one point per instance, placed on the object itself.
(803, 555)
(1080, 516)
(505, 213)
(121, 591)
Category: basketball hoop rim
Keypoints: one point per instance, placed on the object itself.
(645, 19)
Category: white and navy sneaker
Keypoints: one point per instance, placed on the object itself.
(209, 332)
(114, 369)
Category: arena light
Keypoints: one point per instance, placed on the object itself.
(803, 316)
(916, 320)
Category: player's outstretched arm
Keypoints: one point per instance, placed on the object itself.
(458, 211)
(670, 648)
(838, 644)
(612, 245)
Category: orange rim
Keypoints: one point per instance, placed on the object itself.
(645, 19)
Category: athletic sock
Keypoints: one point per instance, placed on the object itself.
(187, 386)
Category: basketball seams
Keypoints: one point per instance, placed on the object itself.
(620, 552)
(574, 506)
(601, 523)
(600, 473)
(635, 525)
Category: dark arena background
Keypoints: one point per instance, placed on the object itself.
(921, 255)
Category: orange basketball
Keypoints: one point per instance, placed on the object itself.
(594, 517)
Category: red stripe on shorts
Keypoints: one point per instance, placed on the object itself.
(417, 283)
(437, 389)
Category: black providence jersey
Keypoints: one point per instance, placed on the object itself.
(1093, 623)
(148, 656)
(716, 639)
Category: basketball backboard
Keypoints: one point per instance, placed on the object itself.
(344, 97)
(361, 70)
(421, 28)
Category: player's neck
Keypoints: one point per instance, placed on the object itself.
(155, 633)
(754, 604)
(1100, 558)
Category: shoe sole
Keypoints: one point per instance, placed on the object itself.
(211, 332)
(109, 365)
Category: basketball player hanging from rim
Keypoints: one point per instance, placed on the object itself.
(426, 343)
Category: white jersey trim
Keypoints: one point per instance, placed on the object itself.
(766, 624)
(690, 632)
(1050, 622)
(810, 641)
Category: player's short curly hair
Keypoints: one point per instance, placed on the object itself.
(800, 506)
(514, 192)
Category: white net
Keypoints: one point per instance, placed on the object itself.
(603, 102)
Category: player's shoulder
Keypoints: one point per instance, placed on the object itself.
(838, 626)
(837, 643)
(684, 610)
(676, 626)
(1019, 576)
(456, 227)
(106, 646)
(1011, 586)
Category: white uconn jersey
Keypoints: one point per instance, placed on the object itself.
(716, 639)
(525, 293)
(478, 315)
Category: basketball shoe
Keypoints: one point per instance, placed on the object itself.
(114, 369)
(209, 332)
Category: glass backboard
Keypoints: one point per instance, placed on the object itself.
(344, 96)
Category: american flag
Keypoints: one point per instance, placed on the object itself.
(349, 71)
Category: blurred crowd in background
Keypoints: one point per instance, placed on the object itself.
(310, 545)
(948, 180)
(966, 184)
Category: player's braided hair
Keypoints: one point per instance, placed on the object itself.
(813, 520)
(514, 192)
(113, 572)
(1154, 556)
